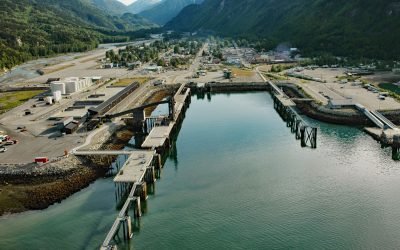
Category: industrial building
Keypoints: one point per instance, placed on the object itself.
(110, 103)
(71, 127)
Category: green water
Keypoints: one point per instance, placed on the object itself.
(240, 180)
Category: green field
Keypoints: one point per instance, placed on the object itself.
(388, 86)
(128, 81)
(11, 100)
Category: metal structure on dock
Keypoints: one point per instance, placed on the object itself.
(285, 107)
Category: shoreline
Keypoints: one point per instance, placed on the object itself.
(37, 189)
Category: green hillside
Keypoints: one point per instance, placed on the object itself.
(360, 28)
(33, 28)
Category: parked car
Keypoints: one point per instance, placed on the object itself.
(3, 149)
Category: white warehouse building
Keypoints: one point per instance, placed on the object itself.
(71, 85)
(57, 86)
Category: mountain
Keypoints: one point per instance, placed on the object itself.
(112, 7)
(34, 28)
(88, 12)
(359, 28)
(142, 5)
(164, 11)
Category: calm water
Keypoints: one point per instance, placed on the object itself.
(240, 180)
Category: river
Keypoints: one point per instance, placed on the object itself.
(239, 180)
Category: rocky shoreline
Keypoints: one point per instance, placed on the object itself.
(34, 187)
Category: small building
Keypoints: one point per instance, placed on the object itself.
(71, 128)
(134, 65)
(64, 122)
(53, 80)
(108, 66)
(156, 69)
(340, 103)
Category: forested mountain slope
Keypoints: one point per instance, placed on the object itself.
(360, 28)
(32, 28)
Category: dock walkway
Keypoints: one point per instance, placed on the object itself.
(135, 167)
(139, 170)
(160, 135)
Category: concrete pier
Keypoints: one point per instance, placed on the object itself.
(387, 138)
(141, 169)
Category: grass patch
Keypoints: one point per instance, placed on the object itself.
(128, 81)
(394, 91)
(242, 72)
(11, 100)
(388, 86)
(348, 78)
(275, 76)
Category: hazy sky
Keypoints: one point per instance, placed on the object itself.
(127, 1)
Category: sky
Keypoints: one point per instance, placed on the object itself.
(126, 2)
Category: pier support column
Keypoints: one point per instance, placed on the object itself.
(314, 138)
(138, 207)
(293, 124)
(138, 121)
(150, 175)
(298, 126)
(396, 148)
(396, 153)
(143, 191)
(303, 136)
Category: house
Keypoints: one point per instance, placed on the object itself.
(108, 66)
(153, 68)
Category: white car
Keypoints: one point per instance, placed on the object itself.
(3, 149)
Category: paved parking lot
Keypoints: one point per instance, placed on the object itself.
(334, 89)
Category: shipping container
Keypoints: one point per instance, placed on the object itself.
(41, 159)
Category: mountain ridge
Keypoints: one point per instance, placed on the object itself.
(164, 11)
(341, 27)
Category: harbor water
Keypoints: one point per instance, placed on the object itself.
(238, 179)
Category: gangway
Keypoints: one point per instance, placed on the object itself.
(372, 117)
(384, 120)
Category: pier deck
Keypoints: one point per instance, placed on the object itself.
(158, 136)
(135, 167)
(285, 101)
